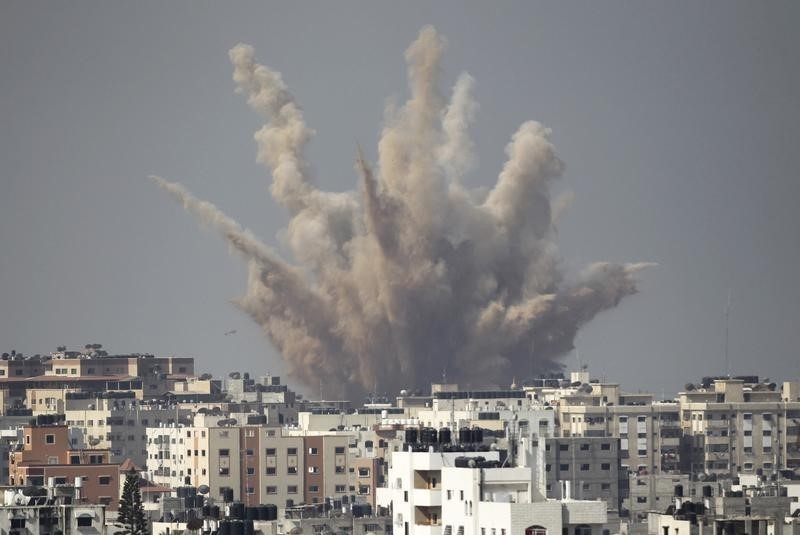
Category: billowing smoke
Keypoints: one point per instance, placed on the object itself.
(417, 275)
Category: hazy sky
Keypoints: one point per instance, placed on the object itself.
(679, 123)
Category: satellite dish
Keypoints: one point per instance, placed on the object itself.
(203, 489)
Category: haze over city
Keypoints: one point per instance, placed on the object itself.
(676, 125)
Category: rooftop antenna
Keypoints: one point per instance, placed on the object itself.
(727, 317)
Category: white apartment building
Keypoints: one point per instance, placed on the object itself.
(433, 493)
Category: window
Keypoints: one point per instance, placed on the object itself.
(312, 451)
(291, 470)
(249, 452)
(363, 472)
(339, 450)
(84, 521)
(563, 447)
(17, 523)
(584, 447)
(563, 467)
(313, 470)
(272, 490)
(224, 471)
(251, 490)
(313, 488)
(291, 489)
(605, 446)
(224, 453)
(605, 466)
(270, 451)
(340, 488)
(584, 468)
(605, 486)
(291, 451)
(271, 471)
(251, 471)
(105, 480)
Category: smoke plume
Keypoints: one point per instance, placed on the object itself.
(416, 275)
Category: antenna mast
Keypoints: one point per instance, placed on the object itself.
(727, 317)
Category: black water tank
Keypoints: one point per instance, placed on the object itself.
(181, 492)
(708, 491)
(428, 435)
(188, 502)
(251, 513)
(237, 510)
(411, 435)
(272, 511)
(215, 511)
(679, 491)
(248, 527)
(444, 435)
(357, 511)
(366, 508)
(237, 528)
(191, 491)
(227, 495)
(464, 435)
(477, 435)
(224, 528)
(206, 511)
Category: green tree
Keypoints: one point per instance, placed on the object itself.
(131, 514)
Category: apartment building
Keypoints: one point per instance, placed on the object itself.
(56, 512)
(468, 493)
(733, 426)
(46, 455)
(590, 464)
(327, 466)
(117, 421)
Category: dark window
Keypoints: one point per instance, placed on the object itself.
(605, 446)
(84, 521)
(105, 480)
(271, 471)
(224, 453)
(563, 447)
(339, 449)
(271, 451)
(291, 451)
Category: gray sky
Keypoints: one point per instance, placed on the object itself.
(678, 121)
